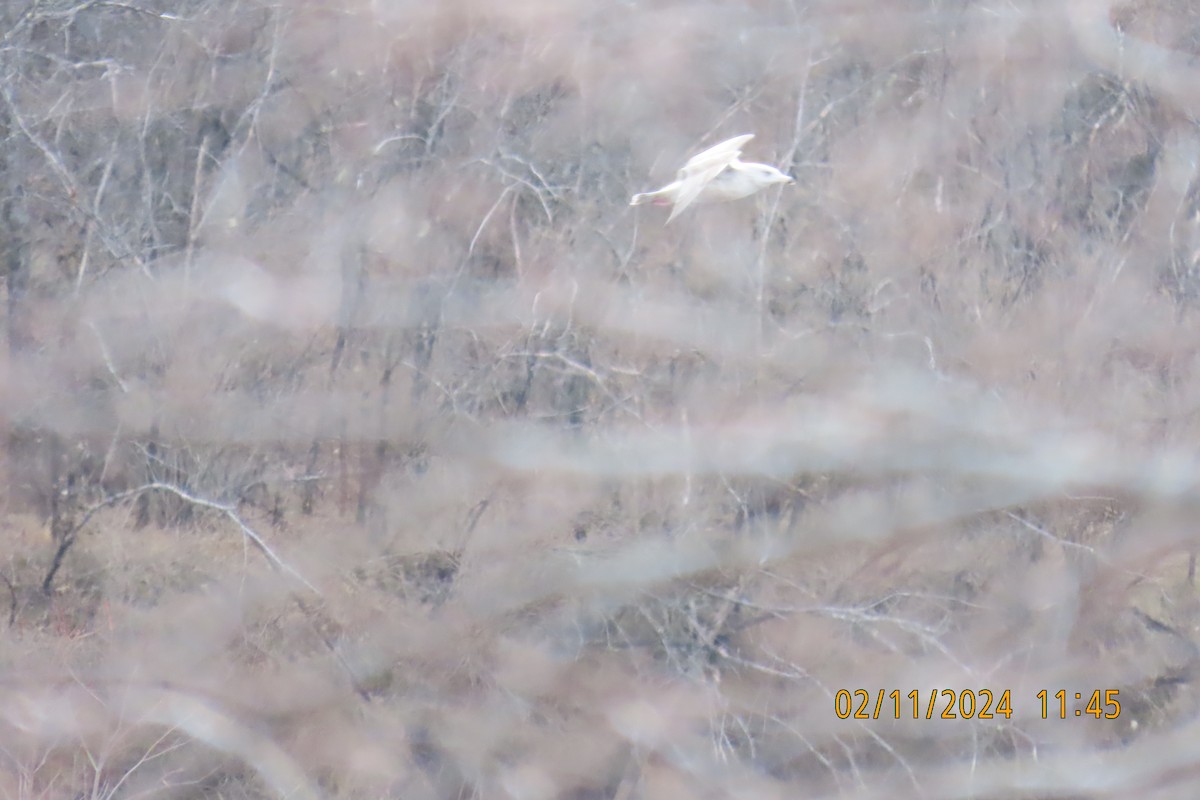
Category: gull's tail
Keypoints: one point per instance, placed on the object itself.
(650, 197)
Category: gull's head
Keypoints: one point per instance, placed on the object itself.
(765, 175)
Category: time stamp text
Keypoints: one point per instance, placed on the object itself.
(971, 704)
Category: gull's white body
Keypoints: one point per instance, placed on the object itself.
(715, 174)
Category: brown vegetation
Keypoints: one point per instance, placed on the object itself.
(359, 440)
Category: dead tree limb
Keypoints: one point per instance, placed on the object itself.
(228, 511)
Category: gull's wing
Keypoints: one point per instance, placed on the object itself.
(691, 185)
(701, 168)
(722, 155)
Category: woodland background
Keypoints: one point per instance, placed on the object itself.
(358, 440)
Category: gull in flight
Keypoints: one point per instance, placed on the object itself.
(715, 174)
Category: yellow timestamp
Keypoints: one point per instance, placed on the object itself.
(969, 704)
(917, 704)
(1108, 708)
